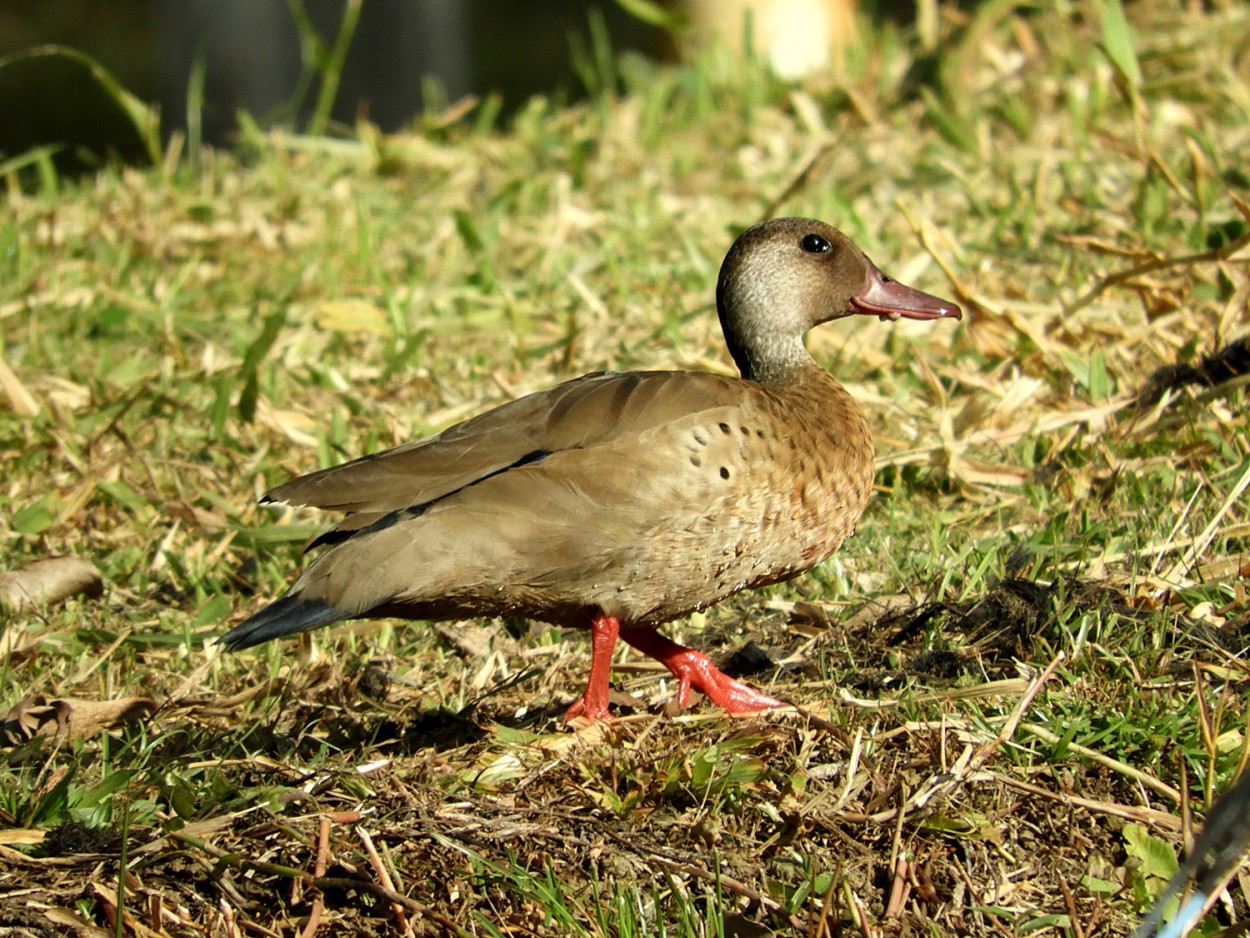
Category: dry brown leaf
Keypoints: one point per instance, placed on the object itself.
(21, 835)
(36, 715)
(77, 926)
(20, 399)
(806, 613)
(353, 316)
(42, 582)
(299, 428)
(31, 716)
(17, 644)
(201, 829)
(472, 641)
(584, 734)
(876, 608)
(979, 472)
(248, 694)
(16, 858)
(175, 508)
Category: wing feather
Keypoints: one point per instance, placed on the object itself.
(574, 415)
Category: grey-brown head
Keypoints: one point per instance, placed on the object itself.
(785, 276)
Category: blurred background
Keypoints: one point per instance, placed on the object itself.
(250, 59)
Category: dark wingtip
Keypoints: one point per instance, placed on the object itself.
(288, 615)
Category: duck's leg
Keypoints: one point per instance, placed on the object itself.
(695, 669)
(593, 704)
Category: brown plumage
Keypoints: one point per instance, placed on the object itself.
(619, 502)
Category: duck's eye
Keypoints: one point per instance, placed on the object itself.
(815, 244)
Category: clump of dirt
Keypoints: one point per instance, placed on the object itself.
(1222, 365)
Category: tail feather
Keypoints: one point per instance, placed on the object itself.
(286, 616)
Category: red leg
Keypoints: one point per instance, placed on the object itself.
(693, 668)
(593, 704)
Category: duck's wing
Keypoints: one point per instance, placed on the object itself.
(574, 415)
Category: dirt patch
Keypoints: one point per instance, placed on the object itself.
(1231, 361)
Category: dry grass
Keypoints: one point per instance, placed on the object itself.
(1015, 685)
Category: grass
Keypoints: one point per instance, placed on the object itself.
(183, 338)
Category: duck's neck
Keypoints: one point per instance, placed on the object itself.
(767, 349)
(768, 358)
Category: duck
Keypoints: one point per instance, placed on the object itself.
(618, 502)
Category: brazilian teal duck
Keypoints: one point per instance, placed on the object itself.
(618, 502)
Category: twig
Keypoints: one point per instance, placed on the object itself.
(384, 875)
(862, 917)
(1204, 539)
(225, 858)
(821, 927)
(898, 889)
(1011, 685)
(1148, 815)
(1160, 787)
(1215, 254)
(1070, 903)
(1009, 728)
(374, 889)
(896, 847)
(323, 851)
(852, 768)
(969, 762)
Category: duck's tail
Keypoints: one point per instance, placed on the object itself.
(286, 616)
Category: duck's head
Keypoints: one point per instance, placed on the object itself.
(785, 276)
